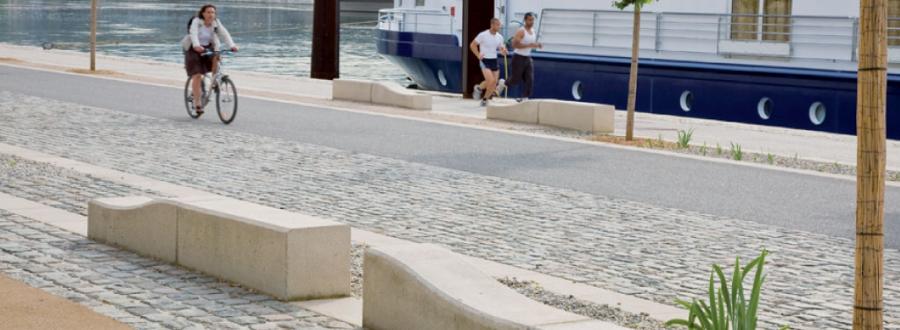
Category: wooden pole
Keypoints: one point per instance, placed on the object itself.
(94, 35)
(870, 130)
(632, 79)
(477, 16)
(326, 39)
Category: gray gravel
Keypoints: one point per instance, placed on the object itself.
(570, 304)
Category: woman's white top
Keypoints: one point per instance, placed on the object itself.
(205, 35)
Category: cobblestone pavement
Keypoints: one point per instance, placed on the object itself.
(633, 248)
(140, 292)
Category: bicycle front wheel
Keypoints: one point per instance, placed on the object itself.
(227, 101)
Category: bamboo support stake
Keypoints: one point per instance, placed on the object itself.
(632, 79)
(94, 35)
(870, 122)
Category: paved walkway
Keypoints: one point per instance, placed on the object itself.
(27, 308)
(779, 141)
(633, 248)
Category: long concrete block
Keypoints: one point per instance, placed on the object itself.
(597, 118)
(392, 94)
(351, 90)
(422, 286)
(525, 112)
(138, 224)
(287, 255)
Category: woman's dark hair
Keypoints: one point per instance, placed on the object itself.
(202, 9)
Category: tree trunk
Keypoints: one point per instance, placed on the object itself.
(94, 35)
(870, 125)
(632, 80)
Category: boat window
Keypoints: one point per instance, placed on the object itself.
(893, 22)
(420, 3)
(761, 20)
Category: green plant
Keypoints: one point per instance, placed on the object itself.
(727, 309)
(684, 138)
(662, 143)
(770, 158)
(736, 152)
(718, 149)
(703, 149)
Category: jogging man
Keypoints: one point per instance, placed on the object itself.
(522, 65)
(485, 47)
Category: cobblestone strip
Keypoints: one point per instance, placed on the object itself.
(57, 187)
(629, 247)
(140, 292)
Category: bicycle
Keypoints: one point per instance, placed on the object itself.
(218, 83)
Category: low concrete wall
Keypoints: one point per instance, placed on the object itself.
(351, 90)
(422, 286)
(596, 118)
(287, 255)
(138, 224)
(392, 94)
(525, 112)
(384, 93)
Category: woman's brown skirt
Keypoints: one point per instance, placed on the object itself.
(196, 64)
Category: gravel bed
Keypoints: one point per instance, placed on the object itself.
(606, 313)
(356, 268)
(734, 152)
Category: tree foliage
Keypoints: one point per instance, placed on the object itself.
(622, 4)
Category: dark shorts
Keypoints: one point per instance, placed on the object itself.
(490, 63)
(196, 64)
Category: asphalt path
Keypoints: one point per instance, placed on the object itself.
(799, 201)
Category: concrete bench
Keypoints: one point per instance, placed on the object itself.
(590, 117)
(287, 255)
(422, 286)
(384, 93)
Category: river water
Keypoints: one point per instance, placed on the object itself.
(274, 36)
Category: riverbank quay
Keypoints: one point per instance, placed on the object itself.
(638, 249)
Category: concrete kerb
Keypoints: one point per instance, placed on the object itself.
(418, 286)
(588, 117)
(287, 255)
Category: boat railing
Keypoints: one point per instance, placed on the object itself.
(772, 37)
(418, 21)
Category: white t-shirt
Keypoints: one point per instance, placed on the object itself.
(489, 43)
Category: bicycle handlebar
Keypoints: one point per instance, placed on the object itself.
(212, 52)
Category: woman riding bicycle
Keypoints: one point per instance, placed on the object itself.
(203, 36)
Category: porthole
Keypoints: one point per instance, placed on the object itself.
(764, 108)
(442, 78)
(577, 90)
(687, 101)
(817, 113)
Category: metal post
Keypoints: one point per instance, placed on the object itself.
(94, 35)
(594, 32)
(477, 16)
(326, 35)
(855, 42)
(719, 33)
(658, 30)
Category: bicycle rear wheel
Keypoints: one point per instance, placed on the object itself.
(227, 100)
(189, 98)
